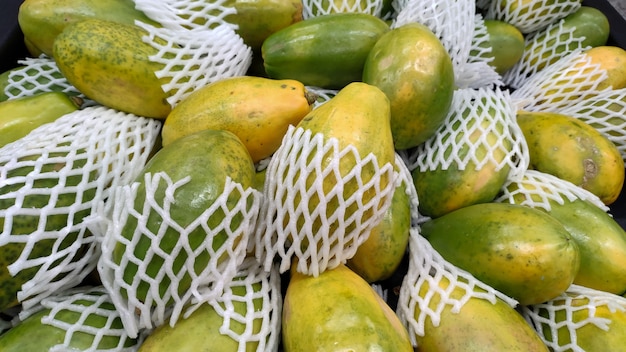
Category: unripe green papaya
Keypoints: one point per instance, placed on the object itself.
(208, 157)
(412, 67)
(507, 44)
(42, 20)
(19, 116)
(326, 51)
(520, 251)
(109, 63)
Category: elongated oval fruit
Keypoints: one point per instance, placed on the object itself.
(412, 67)
(520, 251)
(339, 311)
(258, 110)
(326, 51)
(109, 63)
(574, 151)
(507, 44)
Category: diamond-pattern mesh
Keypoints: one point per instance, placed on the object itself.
(531, 16)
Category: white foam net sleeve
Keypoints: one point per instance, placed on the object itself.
(155, 225)
(531, 16)
(313, 8)
(323, 95)
(263, 300)
(570, 80)
(53, 178)
(70, 311)
(606, 112)
(298, 218)
(543, 48)
(577, 300)
(37, 75)
(474, 115)
(188, 14)
(539, 189)
(427, 268)
(454, 23)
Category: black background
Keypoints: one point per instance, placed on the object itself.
(12, 49)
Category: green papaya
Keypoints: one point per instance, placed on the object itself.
(42, 21)
(520, 251)
(412, 67)
(339, 311)
(33, 335)
(33, 80)
(25, 224)
(109, 63)
(507, 44)
(208, 157)
(326, 51)
(19, 116)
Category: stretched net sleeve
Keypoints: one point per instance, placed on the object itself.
(295, 220)
(578, 301)
(313, 8)
(53, 179)
(531, 16)
(454, 23)
(427, 269)
(210, 265)
(188, 14)
(539, 189)
(541, 49)
(606, 112)
(474, 115)
(568, 81)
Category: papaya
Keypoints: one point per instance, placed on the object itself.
(258, 110)
(612, 59)
(479, 325)
(42, 21)
(339, 311)
(208, 157)
(506, 43)
(33, 80)
(572, 150)
(589, 334)
(529, 15)
(109, 63)
(382, 252)
(24, 224)
(412, 67)
(19, 116)
(520, 251)
(80, 332)
(326, 51)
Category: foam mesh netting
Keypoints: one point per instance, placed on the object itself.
(531, 16)
(302, 218)
(543, 48)
(196, 45)
(37, 75)
(539, 189)
(51, 181)
(313, 8)
(446, 287)
(606, 112)
(454, 22)
(557, 314)
(572, 79)
(478, 119)
(263, 300)
(72, 312)
(152, 266)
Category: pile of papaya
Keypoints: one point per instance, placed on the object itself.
(280, 208)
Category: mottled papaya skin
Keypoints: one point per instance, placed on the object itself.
(208, 157)
(26, 224)
(42, 20)
(109, 63)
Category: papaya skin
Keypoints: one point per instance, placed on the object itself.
(411, 66)
(507, 44)
(42, 20)
(574, 151)
(109, 63)
(479, 326)
(339, 311)
(258, 110)
(520, 251)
